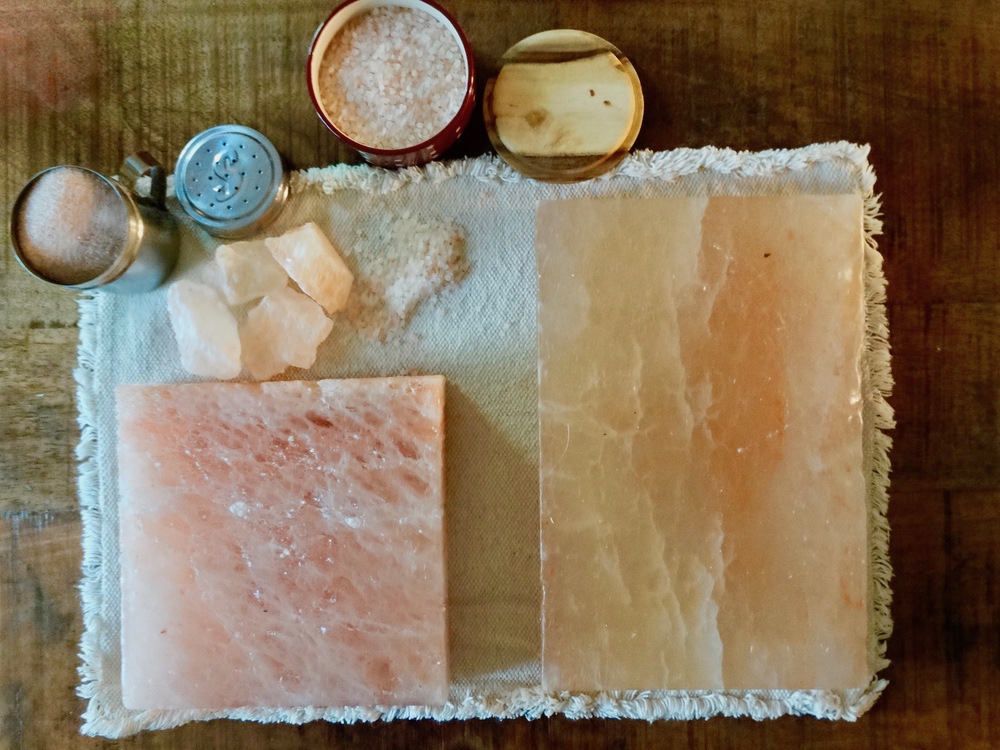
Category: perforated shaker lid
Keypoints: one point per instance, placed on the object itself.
(230, 179)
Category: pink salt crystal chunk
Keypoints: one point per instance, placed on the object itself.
(285, 329)
(248, 271)
(314, 264)
(703, 516)
(282, 544)
(205, 330)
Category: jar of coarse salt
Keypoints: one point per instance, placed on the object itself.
(393, 79)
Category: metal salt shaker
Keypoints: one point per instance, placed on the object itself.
(231, 181)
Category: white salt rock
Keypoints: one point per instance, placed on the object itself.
(248, 271)
(314, 264)
(206, 331)
(284, 329)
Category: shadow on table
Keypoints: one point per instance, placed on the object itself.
(491, 517)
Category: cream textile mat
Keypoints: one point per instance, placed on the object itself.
(482, 337)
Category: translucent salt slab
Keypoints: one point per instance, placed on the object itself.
(282, 544)
(703, 516)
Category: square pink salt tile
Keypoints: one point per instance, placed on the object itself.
(283, 544)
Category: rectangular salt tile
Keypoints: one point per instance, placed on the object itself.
(703, 516)
(283, 544)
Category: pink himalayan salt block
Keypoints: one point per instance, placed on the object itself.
(282, 544)
(703, 515)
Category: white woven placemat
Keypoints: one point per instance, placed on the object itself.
(482, 337)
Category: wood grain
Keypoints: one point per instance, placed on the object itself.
(947, 371)
(89, 81)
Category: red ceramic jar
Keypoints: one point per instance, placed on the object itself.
(419, 153)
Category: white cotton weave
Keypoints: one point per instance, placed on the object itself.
(481, 336)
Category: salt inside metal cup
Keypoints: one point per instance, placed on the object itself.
(423, 149)
(75, 228)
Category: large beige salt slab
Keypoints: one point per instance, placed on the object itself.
(282, 544)
(703, 512)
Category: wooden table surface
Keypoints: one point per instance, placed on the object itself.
(88, 82)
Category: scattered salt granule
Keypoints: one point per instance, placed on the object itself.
(206, 331)
(392, 78)
(72, 226)
(248, 271)
(402, 261)
(311, 260)
(284, 329)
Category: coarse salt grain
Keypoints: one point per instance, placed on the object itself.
(392, 78)
(402, 261)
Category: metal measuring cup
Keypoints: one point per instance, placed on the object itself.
(152, 239)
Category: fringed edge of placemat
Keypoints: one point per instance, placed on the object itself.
(667, 166)
(116, 721)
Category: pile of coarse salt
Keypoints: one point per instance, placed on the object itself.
(402, 261)
(392, 78)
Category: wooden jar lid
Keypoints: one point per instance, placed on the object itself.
(565, 106)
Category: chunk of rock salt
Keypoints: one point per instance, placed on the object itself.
(282, 544)
(314, 264)
(248, 271)
(205, 330)
(284, 329)
(703, 516)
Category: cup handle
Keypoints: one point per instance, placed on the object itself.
(142, 164)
